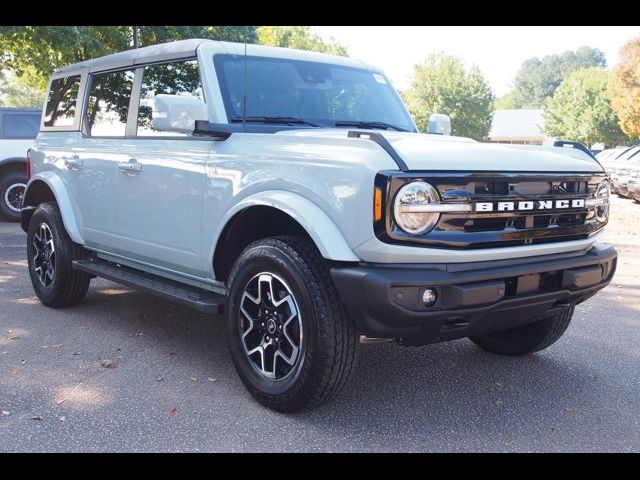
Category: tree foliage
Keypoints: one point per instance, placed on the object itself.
(16, 93)
(32, 53)
(441, 84)
(537, 79)
(297, 37)
(624, 84)
(580, 109)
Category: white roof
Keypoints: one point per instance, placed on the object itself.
(188, 48)
(522, 123)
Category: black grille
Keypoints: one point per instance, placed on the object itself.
(497, 228)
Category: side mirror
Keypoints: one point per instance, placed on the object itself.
(178, 113)
(439, 124)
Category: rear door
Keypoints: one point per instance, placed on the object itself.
(160, 187)
(96, 156)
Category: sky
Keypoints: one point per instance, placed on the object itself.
(497, 51)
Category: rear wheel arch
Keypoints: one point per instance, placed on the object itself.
(50, 189)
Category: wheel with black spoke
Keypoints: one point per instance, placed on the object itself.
(12, 187)
(50, 253)
(291, 341)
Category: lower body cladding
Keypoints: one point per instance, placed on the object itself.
(421, 304)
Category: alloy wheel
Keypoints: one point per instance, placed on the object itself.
(270, 326)
(44, 255)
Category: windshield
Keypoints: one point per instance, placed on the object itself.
(319, 93)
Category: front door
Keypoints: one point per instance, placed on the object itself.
(161, 181)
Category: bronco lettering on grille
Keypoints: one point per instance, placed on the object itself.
(531, 205)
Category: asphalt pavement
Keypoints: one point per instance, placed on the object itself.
(126, 371)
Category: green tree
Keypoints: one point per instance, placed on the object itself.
(16, 93)
(537, 79)
(32, 53)
(580, 110)
(441, 84)
(624, 85)
(505, 102)
(297, 37)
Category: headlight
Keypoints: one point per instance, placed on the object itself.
(408, 205)
(601, 201)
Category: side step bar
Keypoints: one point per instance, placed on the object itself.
(202, 300)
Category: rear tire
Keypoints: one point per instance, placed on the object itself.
(50, 252)
(12, 187)
(280, 291)
(528, 338)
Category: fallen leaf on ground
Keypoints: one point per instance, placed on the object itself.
(36, 417)
(211, 379)
(108, 363)
(170, 411)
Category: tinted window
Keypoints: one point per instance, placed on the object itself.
(20, 125)
(319, 92)
(108, 104)
(61, 104)
(181, 79)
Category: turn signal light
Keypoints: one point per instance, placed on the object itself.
(377, 204)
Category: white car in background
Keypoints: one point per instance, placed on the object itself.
(18, 128)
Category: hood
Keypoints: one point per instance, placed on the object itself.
(422, 151)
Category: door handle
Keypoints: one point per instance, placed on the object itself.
(73, 163)
(132, 167)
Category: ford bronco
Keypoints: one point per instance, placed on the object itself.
(292, 192)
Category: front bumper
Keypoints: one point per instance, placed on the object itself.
(634, 188)
(474, 298)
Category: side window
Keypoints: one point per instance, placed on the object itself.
(108, 104)
(20, 125)
(61, 103)
(171, 99)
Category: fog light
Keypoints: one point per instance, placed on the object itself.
(429, 297)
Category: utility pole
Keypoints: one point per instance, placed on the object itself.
(135, 37)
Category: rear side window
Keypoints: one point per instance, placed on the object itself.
(108, 104)
(61, 103)
(171, 99)
(20, 125)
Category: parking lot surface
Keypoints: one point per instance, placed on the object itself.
(126, 371)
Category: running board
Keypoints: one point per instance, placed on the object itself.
(202, 300)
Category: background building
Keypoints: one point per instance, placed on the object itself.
(522, 126)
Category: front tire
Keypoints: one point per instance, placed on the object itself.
(291, 341)
(528, 338)
(12, 187)
(50, 252)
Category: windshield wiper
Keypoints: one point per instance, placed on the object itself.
(371, 124)
(275, 119)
